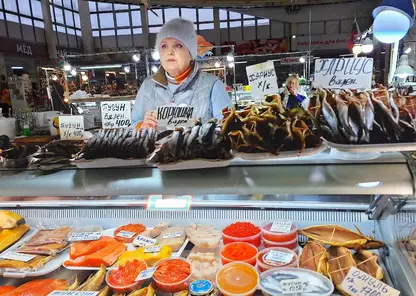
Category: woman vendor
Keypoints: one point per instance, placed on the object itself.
(179, 80)
(291, 96)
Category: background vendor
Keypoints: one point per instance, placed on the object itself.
(291, 96)
(179, 81)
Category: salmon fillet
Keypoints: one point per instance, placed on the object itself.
(49, 249)
(106, 256)
(39, 288)
(86, 248)
(5, 289)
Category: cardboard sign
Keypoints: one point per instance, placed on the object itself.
(178, 203)
(281, 226)
(293, 286)
(74, 293)
(71, 127)
(17, 256)
(84, 236)
(172, 116)
(262, 79)
(116, 114)
(352, 73)
(358, 283)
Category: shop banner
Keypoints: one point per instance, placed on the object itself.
(352, 73)
(262, 79)
(172, 116)
(116, 114)
(262, 46)
(71, 127)
(323, 42)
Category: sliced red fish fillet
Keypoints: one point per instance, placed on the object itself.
(5, 289)
(39, 288)
(86, 248)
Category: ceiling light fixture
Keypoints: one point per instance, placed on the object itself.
(156, 55)
(74, 72)
(367, 45)
(408, 50)
(404, 70)
(67, 67)
(136, 58)
(127, 69)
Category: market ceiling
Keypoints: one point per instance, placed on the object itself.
(228, 3)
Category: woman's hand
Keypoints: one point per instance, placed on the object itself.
(150, 120)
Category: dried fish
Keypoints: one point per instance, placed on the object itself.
(367, 262)
(340, 261)
(314, 257)
(335, 235)
(94, 282)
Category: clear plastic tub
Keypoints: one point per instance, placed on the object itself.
(292, 245)
(278, 237)
(127, 288)
(172, 287)
(263, 266)
(251, 260)
(254, 240)
(322, 286)
(237, 279)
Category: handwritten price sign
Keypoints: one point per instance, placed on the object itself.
(116, 114)
(71, 127)
(353, 73)
(262, 79)
(359, 283)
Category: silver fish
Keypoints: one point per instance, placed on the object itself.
(329, 115)
(342, 108)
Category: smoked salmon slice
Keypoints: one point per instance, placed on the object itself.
(5, 289)
(39, 288)
(86, 248)
(106, 256)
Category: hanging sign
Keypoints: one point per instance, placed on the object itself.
(352, 73)
(116, 114)
(172, 116)
(358, 283)
(262, 79)
(71, 127)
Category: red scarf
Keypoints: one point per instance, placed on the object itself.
(179, 79)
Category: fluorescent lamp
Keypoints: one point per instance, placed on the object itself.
(408, 50)
(85, 77)
(155, 55)
(67, 67)
(302, 60)
(404, 70)
(294, 36)
(101, 67)
(136, 58)
(54, 77)
(127, 69)
(17, 68)
(367, 45)
(74, 72)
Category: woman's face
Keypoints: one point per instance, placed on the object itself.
(291, 84)
(174, 56)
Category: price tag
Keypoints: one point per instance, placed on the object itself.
(116, 114)
(172, 234)
(358, 283)
(262, 79)
(277, 256)
(143, 241)
(71, 127)
(146, 274)
(73, 293)
(293, 286)
(126, 234)
(172, 116)
(17, 256)
(281, 226)
(152, 249)
(161, 203)
(84, 236)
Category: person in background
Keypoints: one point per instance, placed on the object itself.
(179, 80)
(291, 96)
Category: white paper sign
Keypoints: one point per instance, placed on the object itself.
(116, 114)
(73, 293)
(281, 226)
(277, 256)
(71, 127)
(146, 274)
(358, 283)
(143, 241)
(152, 249)
(84, 236)
(172, 116)
(352, 73)
(293, 286)
(262, 79)
(17, 256)
(126, 234)
(172, 234)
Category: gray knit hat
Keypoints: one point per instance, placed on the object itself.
(181, 29)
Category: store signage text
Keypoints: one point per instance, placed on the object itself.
(116, 114)
(351, 73)
(175, 116)
(262, 79)
(288, 61)
(71, 127)
(23, 48)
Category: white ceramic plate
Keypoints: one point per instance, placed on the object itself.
(194, 164)
(108, 163)
(281, 155)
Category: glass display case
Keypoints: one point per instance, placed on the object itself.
(375, 196)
